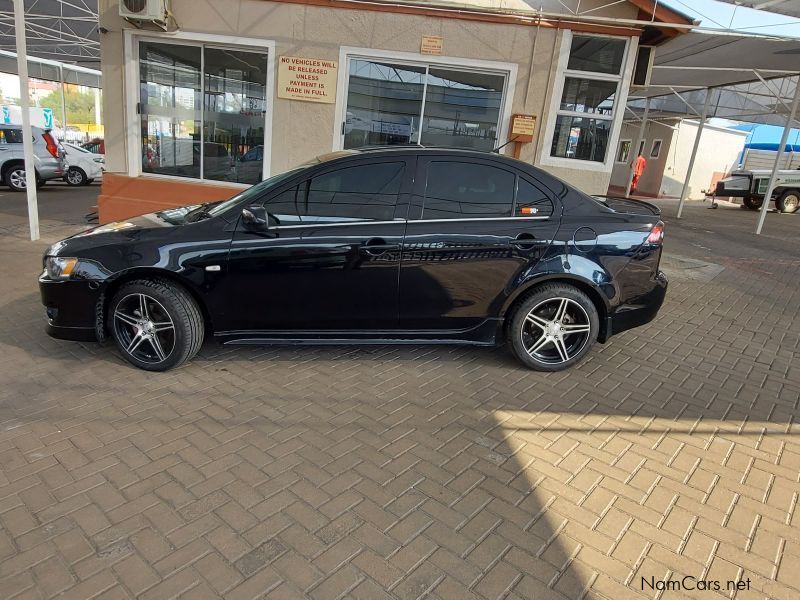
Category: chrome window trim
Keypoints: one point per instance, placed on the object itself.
(399, 221)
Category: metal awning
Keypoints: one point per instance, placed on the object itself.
(790, 8)
(61, 30)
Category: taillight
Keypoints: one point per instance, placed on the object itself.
(656, 234)
(52, 147)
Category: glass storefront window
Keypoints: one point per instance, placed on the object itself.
(392, 103)
(202, 111)
(384, 102)
(462, 109)
(588, 95)
(170, 108)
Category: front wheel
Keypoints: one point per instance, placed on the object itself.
(156, 325)
(75, 176)
(789, 201)
(554, 328)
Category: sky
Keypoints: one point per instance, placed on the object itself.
(721, 15)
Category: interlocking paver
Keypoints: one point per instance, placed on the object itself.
(401, 471)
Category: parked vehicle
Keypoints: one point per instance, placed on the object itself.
(83, 167)
(390, 245)
(48, 157)
(751, 186)
(95, 146)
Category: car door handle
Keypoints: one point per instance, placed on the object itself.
(377, 246)
(525, 240)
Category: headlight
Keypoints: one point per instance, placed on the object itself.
(59, 267)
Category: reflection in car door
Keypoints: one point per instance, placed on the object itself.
(474, 226)
(333, 261)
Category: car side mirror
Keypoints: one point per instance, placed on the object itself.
(255, 218)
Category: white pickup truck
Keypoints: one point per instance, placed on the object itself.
(751, 184)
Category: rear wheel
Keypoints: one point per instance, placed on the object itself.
(752, 202)
(75, 176)
(156, 325)
(789, 201)
(554, 328)
(15, 178)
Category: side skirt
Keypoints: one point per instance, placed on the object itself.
(484, 334)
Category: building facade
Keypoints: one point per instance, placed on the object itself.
(239, 90)
(667, 147)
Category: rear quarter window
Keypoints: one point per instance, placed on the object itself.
(10, 136)
(531, 200)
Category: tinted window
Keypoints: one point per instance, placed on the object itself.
(461, 190)
(354, 193)
(10, 136)
(531, 201)
(597, 54)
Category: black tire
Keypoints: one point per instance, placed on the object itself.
(164, 303)
(75, 176)
(752, 202)
(788, 202)
(14, 178)
(526, 331)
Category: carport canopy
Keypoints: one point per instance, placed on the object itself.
(705, 74)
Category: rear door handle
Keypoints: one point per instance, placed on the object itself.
(377, 246)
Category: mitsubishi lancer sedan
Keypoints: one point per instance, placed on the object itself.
(398, 245)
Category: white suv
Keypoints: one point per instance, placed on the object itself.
(48, 156)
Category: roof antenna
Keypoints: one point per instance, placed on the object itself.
(497, 150)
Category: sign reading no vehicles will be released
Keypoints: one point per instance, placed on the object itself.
(308, 79)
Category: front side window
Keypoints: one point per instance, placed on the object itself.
(458, 190)
(356, 193)
(202, 110)
(585, 114)
(396, 103)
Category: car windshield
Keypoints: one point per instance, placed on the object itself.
(253, 192)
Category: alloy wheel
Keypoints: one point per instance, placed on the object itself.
(790, 202)
(144, 328)
(74, 177)
(17, 179)
(555, 330)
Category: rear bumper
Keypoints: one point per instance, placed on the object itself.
(642, 311)
(71, 308)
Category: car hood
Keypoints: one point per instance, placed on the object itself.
(129, 230)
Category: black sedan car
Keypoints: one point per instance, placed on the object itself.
(405, 245)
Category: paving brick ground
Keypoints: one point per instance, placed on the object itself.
(409, 472)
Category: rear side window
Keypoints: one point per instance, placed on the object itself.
(10, 136)
(458, 190)
(531, 201)
(355, 193)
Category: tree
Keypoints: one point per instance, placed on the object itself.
(80, 105)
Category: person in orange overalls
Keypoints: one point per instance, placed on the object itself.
(638, 165)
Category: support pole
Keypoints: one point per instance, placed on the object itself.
(634, 151)
(25, 104)
(690, 168)
(784, 138)
(63, 103)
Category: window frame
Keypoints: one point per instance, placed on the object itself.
(619, 147)
(131, 70)
(348, 53)
(417, 210)
(653, 148)
(615, 119)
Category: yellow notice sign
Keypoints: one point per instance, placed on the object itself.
(309, 79)
(523, 125)
(431, 44)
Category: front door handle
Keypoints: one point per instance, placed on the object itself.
(524, 241)
(377, 246)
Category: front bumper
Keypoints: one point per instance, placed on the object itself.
(643, 310)
(71, 308)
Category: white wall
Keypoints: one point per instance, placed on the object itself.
(718, 152)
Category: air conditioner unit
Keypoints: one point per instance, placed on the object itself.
(643, 69)
(151, 11)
